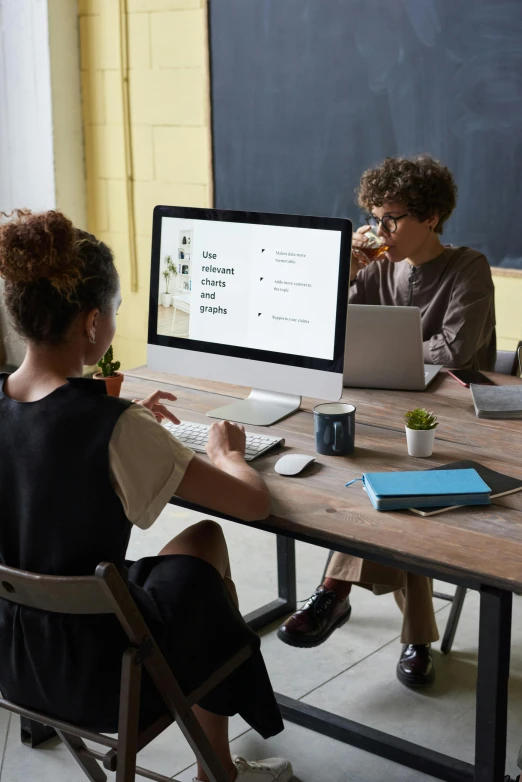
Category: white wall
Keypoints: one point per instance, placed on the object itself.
(26, 134)
(69, 162)
(41, 137)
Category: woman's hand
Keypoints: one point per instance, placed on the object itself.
(224, 440)
(359, 258)
(159, 411)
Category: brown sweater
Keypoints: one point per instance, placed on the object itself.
(455, 295)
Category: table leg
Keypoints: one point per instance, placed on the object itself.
(286, 578)
(377, 742)
(492, 684)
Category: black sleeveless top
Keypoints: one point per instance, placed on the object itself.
(60, 515)
(59, 509)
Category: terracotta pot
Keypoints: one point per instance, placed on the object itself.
(113, 383)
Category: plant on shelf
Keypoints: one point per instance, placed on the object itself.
(167, 275)
(173, 271)
(420, 431)
(420, 419)
(109, 372)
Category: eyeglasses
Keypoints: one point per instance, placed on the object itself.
(388, 222)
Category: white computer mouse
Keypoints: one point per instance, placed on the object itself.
(293, 463)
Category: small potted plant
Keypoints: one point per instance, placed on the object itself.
(165, 297)
(172, 269)
(420, 431)
(109, 373)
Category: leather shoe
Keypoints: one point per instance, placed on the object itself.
(415, 666)
(322, 613)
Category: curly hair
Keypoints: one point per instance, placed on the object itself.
(52, 272)
(423, 185)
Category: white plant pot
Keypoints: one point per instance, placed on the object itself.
(165, 299)
(420, 441)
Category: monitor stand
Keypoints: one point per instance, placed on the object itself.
(261, 408)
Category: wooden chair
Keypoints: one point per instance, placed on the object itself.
(107, 593)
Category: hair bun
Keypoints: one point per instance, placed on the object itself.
(42, 246)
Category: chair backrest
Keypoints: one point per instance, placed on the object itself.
(64, 595)
(104, 593)
(508, 361)
(107, 593)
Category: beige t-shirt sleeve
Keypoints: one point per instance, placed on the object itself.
(146, 465)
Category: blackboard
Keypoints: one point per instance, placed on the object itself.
(306, 94)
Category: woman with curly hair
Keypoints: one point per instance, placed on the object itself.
(78, 469)
(408, 203)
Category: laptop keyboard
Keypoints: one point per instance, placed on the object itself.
(195, 436)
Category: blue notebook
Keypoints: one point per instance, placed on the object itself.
(430, 488)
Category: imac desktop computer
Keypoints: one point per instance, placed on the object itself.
(254, 299)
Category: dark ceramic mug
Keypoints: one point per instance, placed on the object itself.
(334, 425)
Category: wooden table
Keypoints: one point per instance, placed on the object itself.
(476, 548)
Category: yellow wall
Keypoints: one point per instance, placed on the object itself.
(508, 306)
(170, 132)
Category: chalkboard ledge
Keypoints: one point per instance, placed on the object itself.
(501, 271)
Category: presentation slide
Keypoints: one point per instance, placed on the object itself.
(256, 286)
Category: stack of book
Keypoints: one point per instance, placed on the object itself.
(396, 490)
(427, 492)
(497, 401)
(499, 484)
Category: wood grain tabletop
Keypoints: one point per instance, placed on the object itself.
(481, 544)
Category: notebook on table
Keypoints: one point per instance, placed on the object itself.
(497, 401)
(499, 484)
(397, 490)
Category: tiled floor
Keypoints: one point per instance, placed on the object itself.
(353, 674)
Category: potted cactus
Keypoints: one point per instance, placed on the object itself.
(420, 431)
(109, 373)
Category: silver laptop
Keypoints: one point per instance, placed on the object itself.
(384, 349)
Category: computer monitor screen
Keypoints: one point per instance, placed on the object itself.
(254, 288)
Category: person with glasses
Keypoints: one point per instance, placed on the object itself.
(408, 201)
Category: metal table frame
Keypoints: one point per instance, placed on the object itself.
(492, 678)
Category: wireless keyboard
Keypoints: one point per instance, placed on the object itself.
(195, 436)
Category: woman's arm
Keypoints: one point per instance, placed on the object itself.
(227, 484)
(236, 489)
(468, 321)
